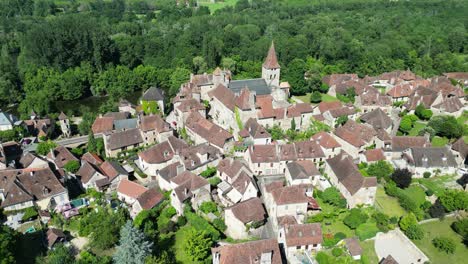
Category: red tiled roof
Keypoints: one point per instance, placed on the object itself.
(326, 140)
(103, 124)
(303, 234)
(251, 210)
(271, 62)
(374, 155)
(130, 189)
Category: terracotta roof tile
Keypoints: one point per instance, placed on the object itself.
(131, 189)
(251, 210)
(303, 234)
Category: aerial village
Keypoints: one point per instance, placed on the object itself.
(268, 177)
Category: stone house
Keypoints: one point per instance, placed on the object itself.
(331, 116)
(299, 238)
(54, 236)
(161, 155)
(460, 150)
(372, 155)
(263, 159)
(20, 189)
(378, 119)
(90, 176)
(329, 145)
(371, 99)
(60, 156)
(259, 251)
(201, 130)
(154, 129)
(178, 118)
(122, 141)
(431, 159)
(354, 137)
(353, 247)
(244, 218)
(255, 133)
(188, 186)
(345, 176)
(198, 158)
(165, 175)
(333, 80)
(126, 106)
(31, 161)
(237, 182)
(156, 95)
(301, 172)
(138, 197)
(396, 145)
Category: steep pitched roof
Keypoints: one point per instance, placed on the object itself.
(131, 189)
(400, 143)
(208, 130)
(347, 173)
(187, 182)
(86, 171)
(432, 157)
(254, 129)
(190, 105)
(289, 195)
(154, 122)
(150, 199)
(355, 134)
(303, 234)
(374, 155)
(112, 169)
(271, 62)
(325, 140)
(298, 109)
(249, 252)
(377, 119)
(62, 116)
(103, 124)
(92, 158)
(61, 156)
(124, 138)
(251, 210)
(224, 95)
(352, 244)
(232, 167)
(263, 153)
(302, 169)
(153, 94)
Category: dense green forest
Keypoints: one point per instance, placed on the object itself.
(54, 50)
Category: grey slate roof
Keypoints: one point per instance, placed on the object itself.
(153, 94)
(125, 124)
(259, 86)
(377, 119)
(433, 157)
(125, 138)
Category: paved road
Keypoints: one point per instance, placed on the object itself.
(75, 140)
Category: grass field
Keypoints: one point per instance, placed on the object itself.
(325, 98)
(437, 184)
(418, 126)
(441, 228)
(387, 204)
(368, 252)
(416, 193)
(218, 5)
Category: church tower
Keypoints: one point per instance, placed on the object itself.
(271, 68)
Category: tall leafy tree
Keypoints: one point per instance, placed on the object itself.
(197, 244)
(8, 238)
(133, 247)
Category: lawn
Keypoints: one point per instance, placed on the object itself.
(416, 193)
(439, 141)
(368, 252)
(441, 228)
(388, 205)
(418, 126)
(437, 184)
(325, 98)
(218, 5)
(337, 226)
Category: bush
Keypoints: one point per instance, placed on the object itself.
(444, 244)
(429, 192)
(415, 232)
(437, 210)
(446, 126)
(427, 174)
(336, 252)
(200, 223)
(181, 221)
(219, 224)
(168, 212)
(43, 148)
(214, 181)
(315, 97)
(454, 200)
(29, 213)
(208, 207)
(407, 221)
(355, 218)
(332, 196)
(340, 236)
(315, 218)
(366, 231)
(210, 171)
(461, 227)
(380, 169)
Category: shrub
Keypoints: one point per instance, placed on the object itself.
(391, 189)
(454, 200)
(355, 218)
(181, 221)
(415, 232)
(208, 207)
(200, 223)
(427, 174)
(444, 244)
(461, 227)
(315, 218)
(332, 196)
(219, 224)
(437, 210)
(407, 221)
(336, 252)
(366, 231)
(214, 181)
(340, 236)
(323, 258)
(429, 192)
(446, 126)
(380, 169)
(168, 212)
(210, 171)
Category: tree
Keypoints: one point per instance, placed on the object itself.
(229, 63)
(197, 244)
(315, 97)
(43, 148)
(293, 124)
(437, 210)
(415, 232)
(341, 120)
(402, 178)
(444, 244)
(133, 246)
(332, 196)
(422, 112)
(72, 166)
(199, 64)
(461, 227)
(8, 241)
(178, 77)
(453, 200)
(408, 220)
(60, 255)
(89, 258)
(219, 224)
(150, 107)
(208, 207)
(92, 145)
(446, 126)
(380, 169)
(355, 218)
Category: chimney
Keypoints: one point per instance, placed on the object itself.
(185, 191)
(179, 169)
(425, 161)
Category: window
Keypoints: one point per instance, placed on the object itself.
(298, 247)
(271, 164)
(259, 165)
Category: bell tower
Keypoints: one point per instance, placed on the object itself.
(271, 68)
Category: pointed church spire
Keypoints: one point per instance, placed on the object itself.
(271, 62)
